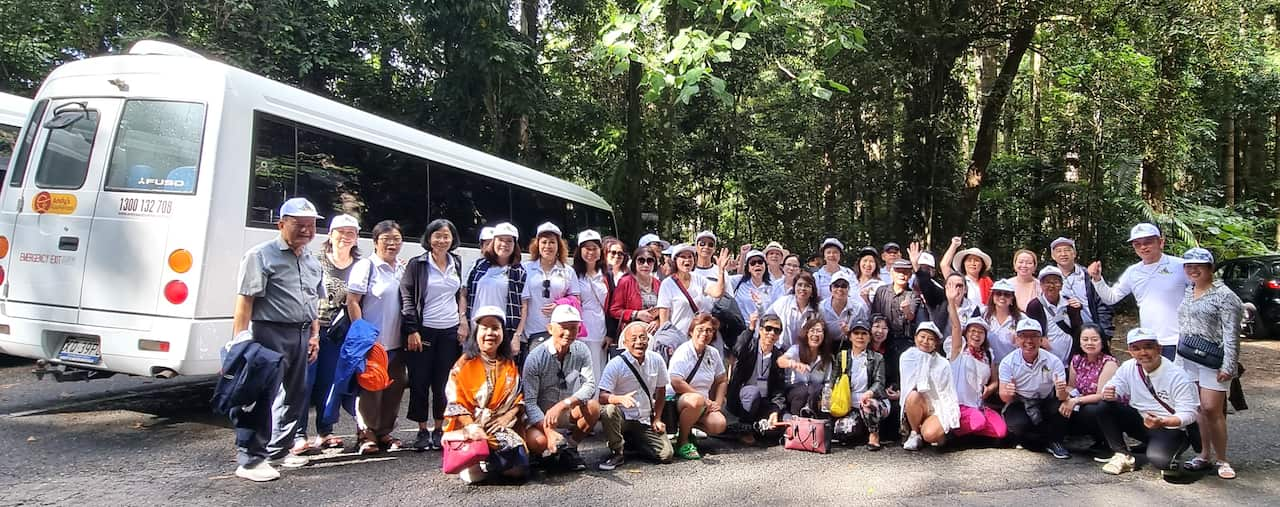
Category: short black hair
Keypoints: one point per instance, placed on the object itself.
(471, 349)
(437, 224)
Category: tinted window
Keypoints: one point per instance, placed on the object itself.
(469, 200)
(157, 147)
(531, 209)
(8, 139)
(1252, 269)
(64, 163)
(582, 217)
(275, 150)
(24, 151)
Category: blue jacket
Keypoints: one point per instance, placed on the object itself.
(250, 372)
(360, 338)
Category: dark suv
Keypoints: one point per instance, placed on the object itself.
(1257, 281)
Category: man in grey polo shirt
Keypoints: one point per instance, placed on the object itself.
(560, 391)
(277, 303)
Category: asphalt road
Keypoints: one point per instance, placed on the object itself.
(131, 441)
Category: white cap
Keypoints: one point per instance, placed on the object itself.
(344, 221)
(1141, 334)
(976, 321)
(486, 234)
(1028, 324)
(653, 238)
(926, 259)
(831, 242)
(506, 229)
(680, 248)
(565, 313)
(841, 275)
(753, 253)
(1143, 230)
(488, 311)
(1197, 255)
(929, 326)
(588, 235)
(1062, 241)
(774, 245)
(548, 227)
(1003, 285)
(299, 207)
(1050, 271)
(706, 234)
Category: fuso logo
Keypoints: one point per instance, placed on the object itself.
(42, 202)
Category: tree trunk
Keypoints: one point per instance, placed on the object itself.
(1275, 194)
(1229, 158)
(633, 170)
(988, 123)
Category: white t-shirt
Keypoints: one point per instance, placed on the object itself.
(1170, 382)
(592, 293)
(858, 379)
(712, 274)
(1059, 340)
(970, 377)
(380, 297)
(563, 283)
(873, 283)
(1032, 381)
(792, 319)
(491, 289)
(742, 294)
(440, 308)
(1158, 289)
(1001, 336)
(823, 278)
(670, 297)
(618, 379)
(683, 360)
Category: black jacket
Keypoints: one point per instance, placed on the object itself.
(413, 290)
(747, 351)
(875, 374)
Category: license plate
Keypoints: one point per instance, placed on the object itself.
(81, 349)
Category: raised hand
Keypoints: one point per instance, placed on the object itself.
(913, 252)
(956, 242)
(1095, 270)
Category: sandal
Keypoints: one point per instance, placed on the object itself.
(874, 447)
(1197, 464)
(369, 447)
(331, 442)
(688, 451)
(389, 443)
(1225, 471)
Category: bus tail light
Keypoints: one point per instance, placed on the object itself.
(1, 276)
(153, 345)
(4, 247)
(175, 292)
(179, 261)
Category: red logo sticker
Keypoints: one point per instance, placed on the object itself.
(42, 202)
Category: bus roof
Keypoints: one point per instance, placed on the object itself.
(13, 109)
(159, 57)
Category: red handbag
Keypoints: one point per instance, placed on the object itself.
(805, 434)
(460, 454)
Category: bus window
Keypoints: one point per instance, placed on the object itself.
(64, 163)
(24, 151)
(8, 138)
(530, 209)
(157, 147)
(343, 175)
(469, 201)
(275, 154)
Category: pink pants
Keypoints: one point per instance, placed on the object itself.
(982, 422)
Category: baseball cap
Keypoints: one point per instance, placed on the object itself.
(1003, 285)
(753, 253)
(506, 229)
(588, 235)
(1050, 271)
(1197, 255)
(1028, 324)
(832, 242)
(930, 327)
(868, 250)
(344, 221)
(548, 227)
(486, 234)
(891, 246)
(488, 311)
(841, 275)
(706, 234)
(679, 249)
(299, 207)
(860, 324)
(1143, 230)
(1140, 334)
(1062, 241)
(774, 245)
(565, 313)
(926, 259)
(653, 238)
(902, 264)
(976, 321)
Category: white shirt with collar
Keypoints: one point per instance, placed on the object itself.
(1170, 383)
(1033, 381)
(619, 379)
(823, 278)
(1075, 285)
(1158, 288)
(563, 283)
(854, 309)
(378, 284)
(440, 306)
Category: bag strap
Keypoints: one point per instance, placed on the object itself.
(696, 366)
(693, 307)
(1143, 374)
(643, 385)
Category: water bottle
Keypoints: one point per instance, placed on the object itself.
(826, 398)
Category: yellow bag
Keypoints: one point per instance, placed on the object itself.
(840, 394)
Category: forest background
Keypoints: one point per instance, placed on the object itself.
(1007, 122)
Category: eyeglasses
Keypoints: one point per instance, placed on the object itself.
(646, 260)
(546, 289)
(391, 240)
(771, 329)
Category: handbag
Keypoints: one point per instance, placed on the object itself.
(460, 454)
(806, 434)
(1200, 350)
(841, 394)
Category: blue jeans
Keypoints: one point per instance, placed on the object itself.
(319, 380)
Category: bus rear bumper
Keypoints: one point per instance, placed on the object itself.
(168, 347)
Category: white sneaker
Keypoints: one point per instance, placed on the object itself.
(291, 461)
(258, 472)
(1118, 464)
(913, 442)
(699, 433)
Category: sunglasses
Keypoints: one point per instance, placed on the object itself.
(546, 291)
(840, 286)
(615, 253)
(772, 329)
(755, 262)
(646, 260)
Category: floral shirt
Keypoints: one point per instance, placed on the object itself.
(1087, 372)
(1215, 315)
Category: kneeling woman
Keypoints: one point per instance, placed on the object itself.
(809, 362)
(485, 400)
(929, 406)
(699, 382)
(866, 384)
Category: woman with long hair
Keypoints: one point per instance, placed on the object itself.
(593, 291)
(498, 279)
(809, 362)
(797, 308)
(1002, 314)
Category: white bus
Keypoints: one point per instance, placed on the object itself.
(13, 112)
(142, 178)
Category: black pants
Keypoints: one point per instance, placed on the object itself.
(801, 396)
(1163, 444)
(1052, 426)
(429, 372)
(1087, 421)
